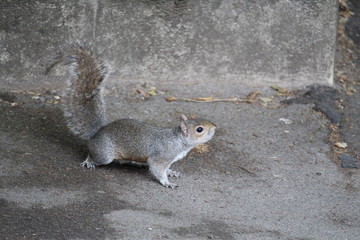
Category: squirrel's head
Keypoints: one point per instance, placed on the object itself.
(196, 131)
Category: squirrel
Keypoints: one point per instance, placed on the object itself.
(125, 140)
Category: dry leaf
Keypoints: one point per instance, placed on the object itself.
(152, 92)
(341, 145)
(14, 104)
(343, 78)
(170, 99)
(252, 95)
(143, 93)
(281, 91)
(265, 99)
(350, 90)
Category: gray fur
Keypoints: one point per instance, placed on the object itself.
(83, 96)
(127, 140)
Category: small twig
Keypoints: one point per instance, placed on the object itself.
(13, 104)
(248, 171)
(208, 100)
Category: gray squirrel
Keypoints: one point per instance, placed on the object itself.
(126, 140)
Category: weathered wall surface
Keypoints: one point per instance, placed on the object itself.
(236, 43)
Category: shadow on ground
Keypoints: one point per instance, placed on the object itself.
(260, 177)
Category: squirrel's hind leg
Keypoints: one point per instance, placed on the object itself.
(101, 152)
(98, 157)
(88, 163)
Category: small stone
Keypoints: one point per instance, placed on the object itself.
(348, 161)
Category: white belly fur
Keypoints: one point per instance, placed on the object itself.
(177, 158)
(180, 156)
(132, 162)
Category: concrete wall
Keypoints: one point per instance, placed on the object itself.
(233, 42)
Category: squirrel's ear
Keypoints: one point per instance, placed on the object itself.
(183, 117)
(183, 125)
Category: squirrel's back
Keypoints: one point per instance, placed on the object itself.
(84, 106)
(135, 140)
(126, 139)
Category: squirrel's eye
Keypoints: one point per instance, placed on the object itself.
(199, 129)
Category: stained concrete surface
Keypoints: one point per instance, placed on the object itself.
(237, 42)
(260, 179)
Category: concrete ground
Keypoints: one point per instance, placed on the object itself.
(270, 172)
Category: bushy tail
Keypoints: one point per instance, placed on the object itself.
(84, 106)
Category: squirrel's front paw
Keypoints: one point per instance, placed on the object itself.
(166, 183)
(172, 173)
